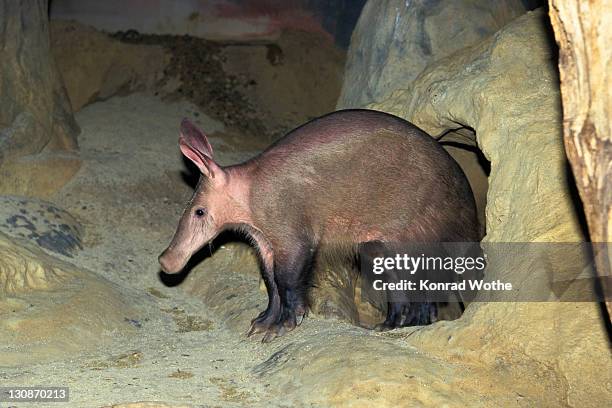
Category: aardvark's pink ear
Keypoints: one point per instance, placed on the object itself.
(195, 147)
(195, 138)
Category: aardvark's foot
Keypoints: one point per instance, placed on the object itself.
(276, 324)
(402, 314)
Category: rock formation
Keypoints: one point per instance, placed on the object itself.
(506, 89)
(37, 129)
(395, 40)
(51, 309)
(95, 66)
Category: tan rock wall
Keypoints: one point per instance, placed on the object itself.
(507, 90)
(395, 40)
(35, 115)
(95, 66)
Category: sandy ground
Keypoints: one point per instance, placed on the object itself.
(129, 195)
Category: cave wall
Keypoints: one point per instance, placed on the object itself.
(394, 41)
(37, 130)
(506, 88)
(96, 67)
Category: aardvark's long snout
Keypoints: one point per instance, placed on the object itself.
(172, 262)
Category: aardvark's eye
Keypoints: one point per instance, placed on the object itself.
(199, 212)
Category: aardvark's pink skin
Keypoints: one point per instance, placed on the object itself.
(341, 180)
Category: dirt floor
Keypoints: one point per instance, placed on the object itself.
(128, 197)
